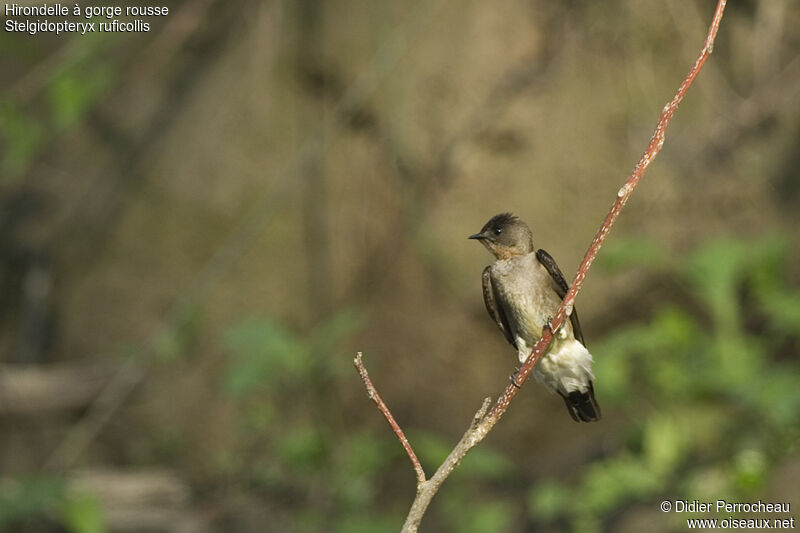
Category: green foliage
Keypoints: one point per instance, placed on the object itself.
(749, 469)
(367, 454)
(366, 522)
(82, 514)
(180, 337)
(71, 89)
(618, 254)
(22, 137)
(34, 499)
(303, 449)
(481, 463)
(281, 382)
(361, 461)
(610, 483)
(431, 448)
(465, 512)
(27, 498)
(484, 463)
(663, 444)
(486, 517)
(710, 398)
(295, 445)
(74, 91)
(266, 353)
(549, 500)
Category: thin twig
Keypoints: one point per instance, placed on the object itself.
(375, 397)
(477, 431)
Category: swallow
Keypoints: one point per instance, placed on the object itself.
(523, 290)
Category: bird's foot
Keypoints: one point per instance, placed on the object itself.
(513, 378)
(549, 325)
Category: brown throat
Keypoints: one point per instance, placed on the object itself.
(503, 252)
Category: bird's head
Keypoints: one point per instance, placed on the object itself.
(505, 236)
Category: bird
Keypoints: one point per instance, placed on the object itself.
(522, 291)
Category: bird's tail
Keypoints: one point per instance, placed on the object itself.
(582, 406)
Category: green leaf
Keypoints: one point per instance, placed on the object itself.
(716, 271)
(465, 514)
(264, 353)
(26, 498)
(674, 345)
(179, 338)
(777, 396)
(337, 326)
(431, 449)
(83, 514)
(364, 460)
(304, 449)
(615, 481)
(664, 349)
(663, 444)
(488, 517)
(363, 521)
(750, 469)
(731, 386)
(707, 484)
(22, 137)
(369, 455)
(612, 376)
(548, 500)
(624, 253)
(325, 337)
(74, 91)
(783, 308)
(735, 361)
(768, 262)
(485, 463)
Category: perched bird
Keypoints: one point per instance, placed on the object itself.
(522, 291)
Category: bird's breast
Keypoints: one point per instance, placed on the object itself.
(528, 291)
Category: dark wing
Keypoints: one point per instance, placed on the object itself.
(561, 288)
(495, 310)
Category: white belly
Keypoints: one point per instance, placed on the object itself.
(566, 367)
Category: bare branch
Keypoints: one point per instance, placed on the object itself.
(653, 147)
(40, 389)
(99, 411)
(481, 424)
(375, 397)
(427, 489)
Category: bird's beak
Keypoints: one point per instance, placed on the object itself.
(478, 236)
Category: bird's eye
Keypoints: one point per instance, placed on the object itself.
(498, 231)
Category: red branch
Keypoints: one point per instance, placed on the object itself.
(656, 142)
(483, 423)
(375, 397)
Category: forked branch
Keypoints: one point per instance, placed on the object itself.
(483, 422)
(375, 397)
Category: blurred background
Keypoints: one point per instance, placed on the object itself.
(200, 225)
